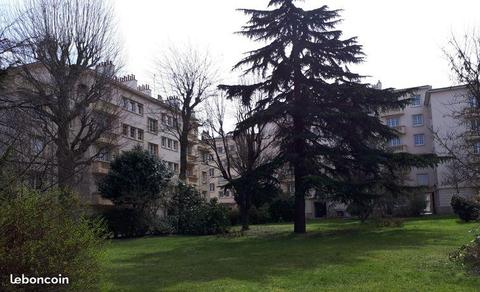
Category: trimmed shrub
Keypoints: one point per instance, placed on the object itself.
(466, 210)
(126, 222)
(282, 210)
(45, 234)
(189, 213)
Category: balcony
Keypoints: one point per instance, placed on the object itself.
(110, 138)
(400, 129)
(398, 148)
(472, 135)
(471, 112)
(192, 157)
(106, 107)
(395, 112)
(100, 167)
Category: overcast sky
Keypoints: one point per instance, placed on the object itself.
(403, 40)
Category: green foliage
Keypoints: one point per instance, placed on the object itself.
(234, 216)
(136, 180)
(259, 215)
(361, 209)
(126, 222)
(469, 254)
(282, 209)
(189, 213)
(45, 234)
(322, 110)
(467, 210)
(411, 206)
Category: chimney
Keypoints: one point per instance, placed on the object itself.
(378, 85)
(145, 88)
(129, 81)
(107, 68)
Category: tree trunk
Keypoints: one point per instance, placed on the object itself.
(65, 163)
(183, 156)
(244, 207)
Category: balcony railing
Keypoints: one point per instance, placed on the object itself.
(395, 112)
(400, 129)
(398, 148)
(472, 135)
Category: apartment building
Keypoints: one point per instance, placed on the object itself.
(435, 120)
(456, 128)
(142, 121)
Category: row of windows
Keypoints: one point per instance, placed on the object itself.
(417, 120)
(419, 140)
(132, 132)
(132, 106)
(169, 144)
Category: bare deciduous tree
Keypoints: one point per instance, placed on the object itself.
(188, 78)
(65, 76)
(462, 142)
(245, 159)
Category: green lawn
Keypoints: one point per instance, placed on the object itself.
(335, 255)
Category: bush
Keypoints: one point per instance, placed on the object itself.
(46, 235)
(259, 215)
(412, 206)
(189, 213)
(469, 255)
(361, 209)
(465, 209)
(282, 210)
(234, 215)
(126, 222)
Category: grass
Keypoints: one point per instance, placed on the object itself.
(335, 255)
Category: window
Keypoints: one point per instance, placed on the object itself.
(175, 145)
(164, 142)
(133, 106)
(153, 149)
(104, 155)
(169, 120)
(475, 125)
(417, 120)
(422, 179)
(175, 167)
(152, 125)
(220, 149)
(227, 193)
(393, 122)
(164, 118)
(472, 102)
(125, 130)
(211, 187)
(140, 109)
(204, 177)
(416, 100)
(169, 143)
(476, 148)
(211, 172)
(221, 194)
(132, 132)
(231, 147)
(419, 139)
(140, 134)
(205, 157)
(394, 142)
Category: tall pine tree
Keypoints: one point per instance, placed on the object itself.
(327, 121)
